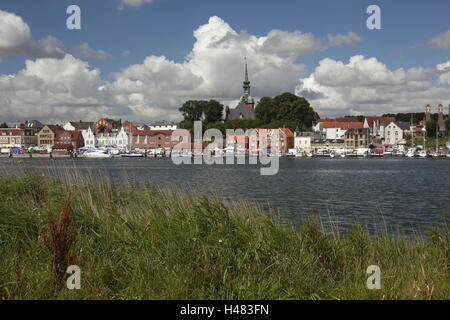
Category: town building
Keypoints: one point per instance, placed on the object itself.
(373, 124)
(153, 139)
(357, 138)
(302, 140)
(163, 125)
(75, 138)
(395, 132)
(11, 138)
(262, 139)
(245, 109)
(46, 137)
(118, 139)
(90, 141)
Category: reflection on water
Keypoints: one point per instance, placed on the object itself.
(411, 194)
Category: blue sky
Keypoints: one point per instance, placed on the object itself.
(165, 28)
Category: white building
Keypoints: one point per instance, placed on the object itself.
(395, 131)
(163, 125)
(302, 140)
(90, 141)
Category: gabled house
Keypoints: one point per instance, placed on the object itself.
(75, 138)
(357, 138)
(46, 137)
(394, 132)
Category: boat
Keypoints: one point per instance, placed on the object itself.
(132, 155)
(97, 154)
(411, 153)
(422, 154)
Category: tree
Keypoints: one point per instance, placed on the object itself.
(430, 126)
(3, 125)
(192, 110)
(213, 111)
(286, 109)
(447, 126)
(266, 110)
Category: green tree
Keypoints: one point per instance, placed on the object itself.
(447, 127)
(266, 110)
(430, 126)
(192, 110)
(286, 109)
(213, 111)
(3, 125)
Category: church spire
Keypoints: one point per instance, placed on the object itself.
(246, 82)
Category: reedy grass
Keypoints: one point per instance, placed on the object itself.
(150, 243)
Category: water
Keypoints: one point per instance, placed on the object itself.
(410, 194)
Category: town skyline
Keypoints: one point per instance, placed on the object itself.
(54, 74)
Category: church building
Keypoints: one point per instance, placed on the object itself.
(246, 107)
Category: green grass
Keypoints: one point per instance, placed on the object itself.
(147, 243)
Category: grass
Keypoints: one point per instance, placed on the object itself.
(146, 243)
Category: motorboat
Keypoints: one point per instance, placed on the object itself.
(96, 154)
(132, 154)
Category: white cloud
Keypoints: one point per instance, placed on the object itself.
(83, 50)
(441, 41)
(16, 39)
(132, 3)
(350, 38)
(367, 86)
(444, 72)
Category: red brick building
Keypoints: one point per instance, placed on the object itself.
(153, 139)
(75, 138)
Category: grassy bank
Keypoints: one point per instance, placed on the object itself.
(146, 243)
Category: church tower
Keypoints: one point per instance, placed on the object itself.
(246, 97)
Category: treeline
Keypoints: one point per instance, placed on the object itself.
(3, 125)
(285, 110)
(406, 117)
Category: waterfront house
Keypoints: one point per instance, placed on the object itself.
(90, 141)
(153, 139)
(46, 137)
(302, 140)
(357, 138)
(265, 137)
(395, 131)
(75, 138)
(11, 138)
(118, 139)
(373, 124)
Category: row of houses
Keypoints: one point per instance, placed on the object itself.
(103, 133)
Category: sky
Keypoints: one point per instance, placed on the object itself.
(141, 59)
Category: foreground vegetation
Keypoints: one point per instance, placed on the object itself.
(145, 243)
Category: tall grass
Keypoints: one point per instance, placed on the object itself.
(151, 243)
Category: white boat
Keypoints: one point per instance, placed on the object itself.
(132, 155)
(422, 154)
(97, 154)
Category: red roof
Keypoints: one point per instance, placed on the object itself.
(287, 132)
(370, 120)
(73, 134)
(152, 132)
(343, 125)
